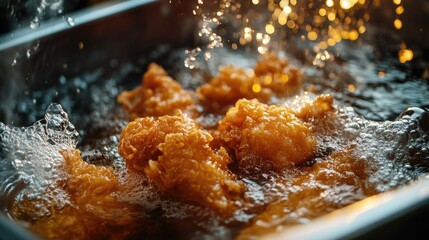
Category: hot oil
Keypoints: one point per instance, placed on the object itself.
(91, 100)
(363, 150)
(41, 141)
(392, 153)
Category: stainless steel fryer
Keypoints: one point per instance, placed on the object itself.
(126, 30)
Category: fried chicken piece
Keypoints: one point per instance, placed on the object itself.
(93, 212)
(227, 87)
(261, 134)
(158, 95)
(190, 169)
(140, 138)
(331, 183)
(278, 75)
(86, 181)
(176, 155)
(317, 108)
(270, 63)
(272, 76)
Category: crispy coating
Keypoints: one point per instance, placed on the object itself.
(86, 180)
(157, 95)
(141, 137)
(336, 181)
(191, 170)
(176, 155)
(276, 74)
(261, 134)
(270, 63)
(227, 87)
(317, 108)
(272, 77)
(93, 212)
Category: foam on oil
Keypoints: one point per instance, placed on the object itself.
(31, 158)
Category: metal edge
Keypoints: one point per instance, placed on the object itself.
(11, 230)
(358, 219)
(59, 24)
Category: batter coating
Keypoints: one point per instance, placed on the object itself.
(277, 74)
(94, 211)
(271, 77)
(317, 108)
(261, 134)
(176, 155)
(157, 95)
(337, 181)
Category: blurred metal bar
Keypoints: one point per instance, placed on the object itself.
(83, 16)
(10, 230)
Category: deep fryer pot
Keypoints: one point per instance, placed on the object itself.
(36, 59)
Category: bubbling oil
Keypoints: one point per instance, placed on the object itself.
(31, 158)
(391, 154)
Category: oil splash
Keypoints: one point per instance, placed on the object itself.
(30, 159)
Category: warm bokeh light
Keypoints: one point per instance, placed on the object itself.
(324, 23)
(351, 88)
(405, 55)
(347, 4)
(256, 87)
(269, 28)
(399, 10)
(312, 35)
(397, 23)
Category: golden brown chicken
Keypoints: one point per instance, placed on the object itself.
(158, 95)
(176, 155)
(336, 181)
(317, 108)
(93, 211)
(277, 74)
(263, 135)
(271, 77)
(227, 87)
